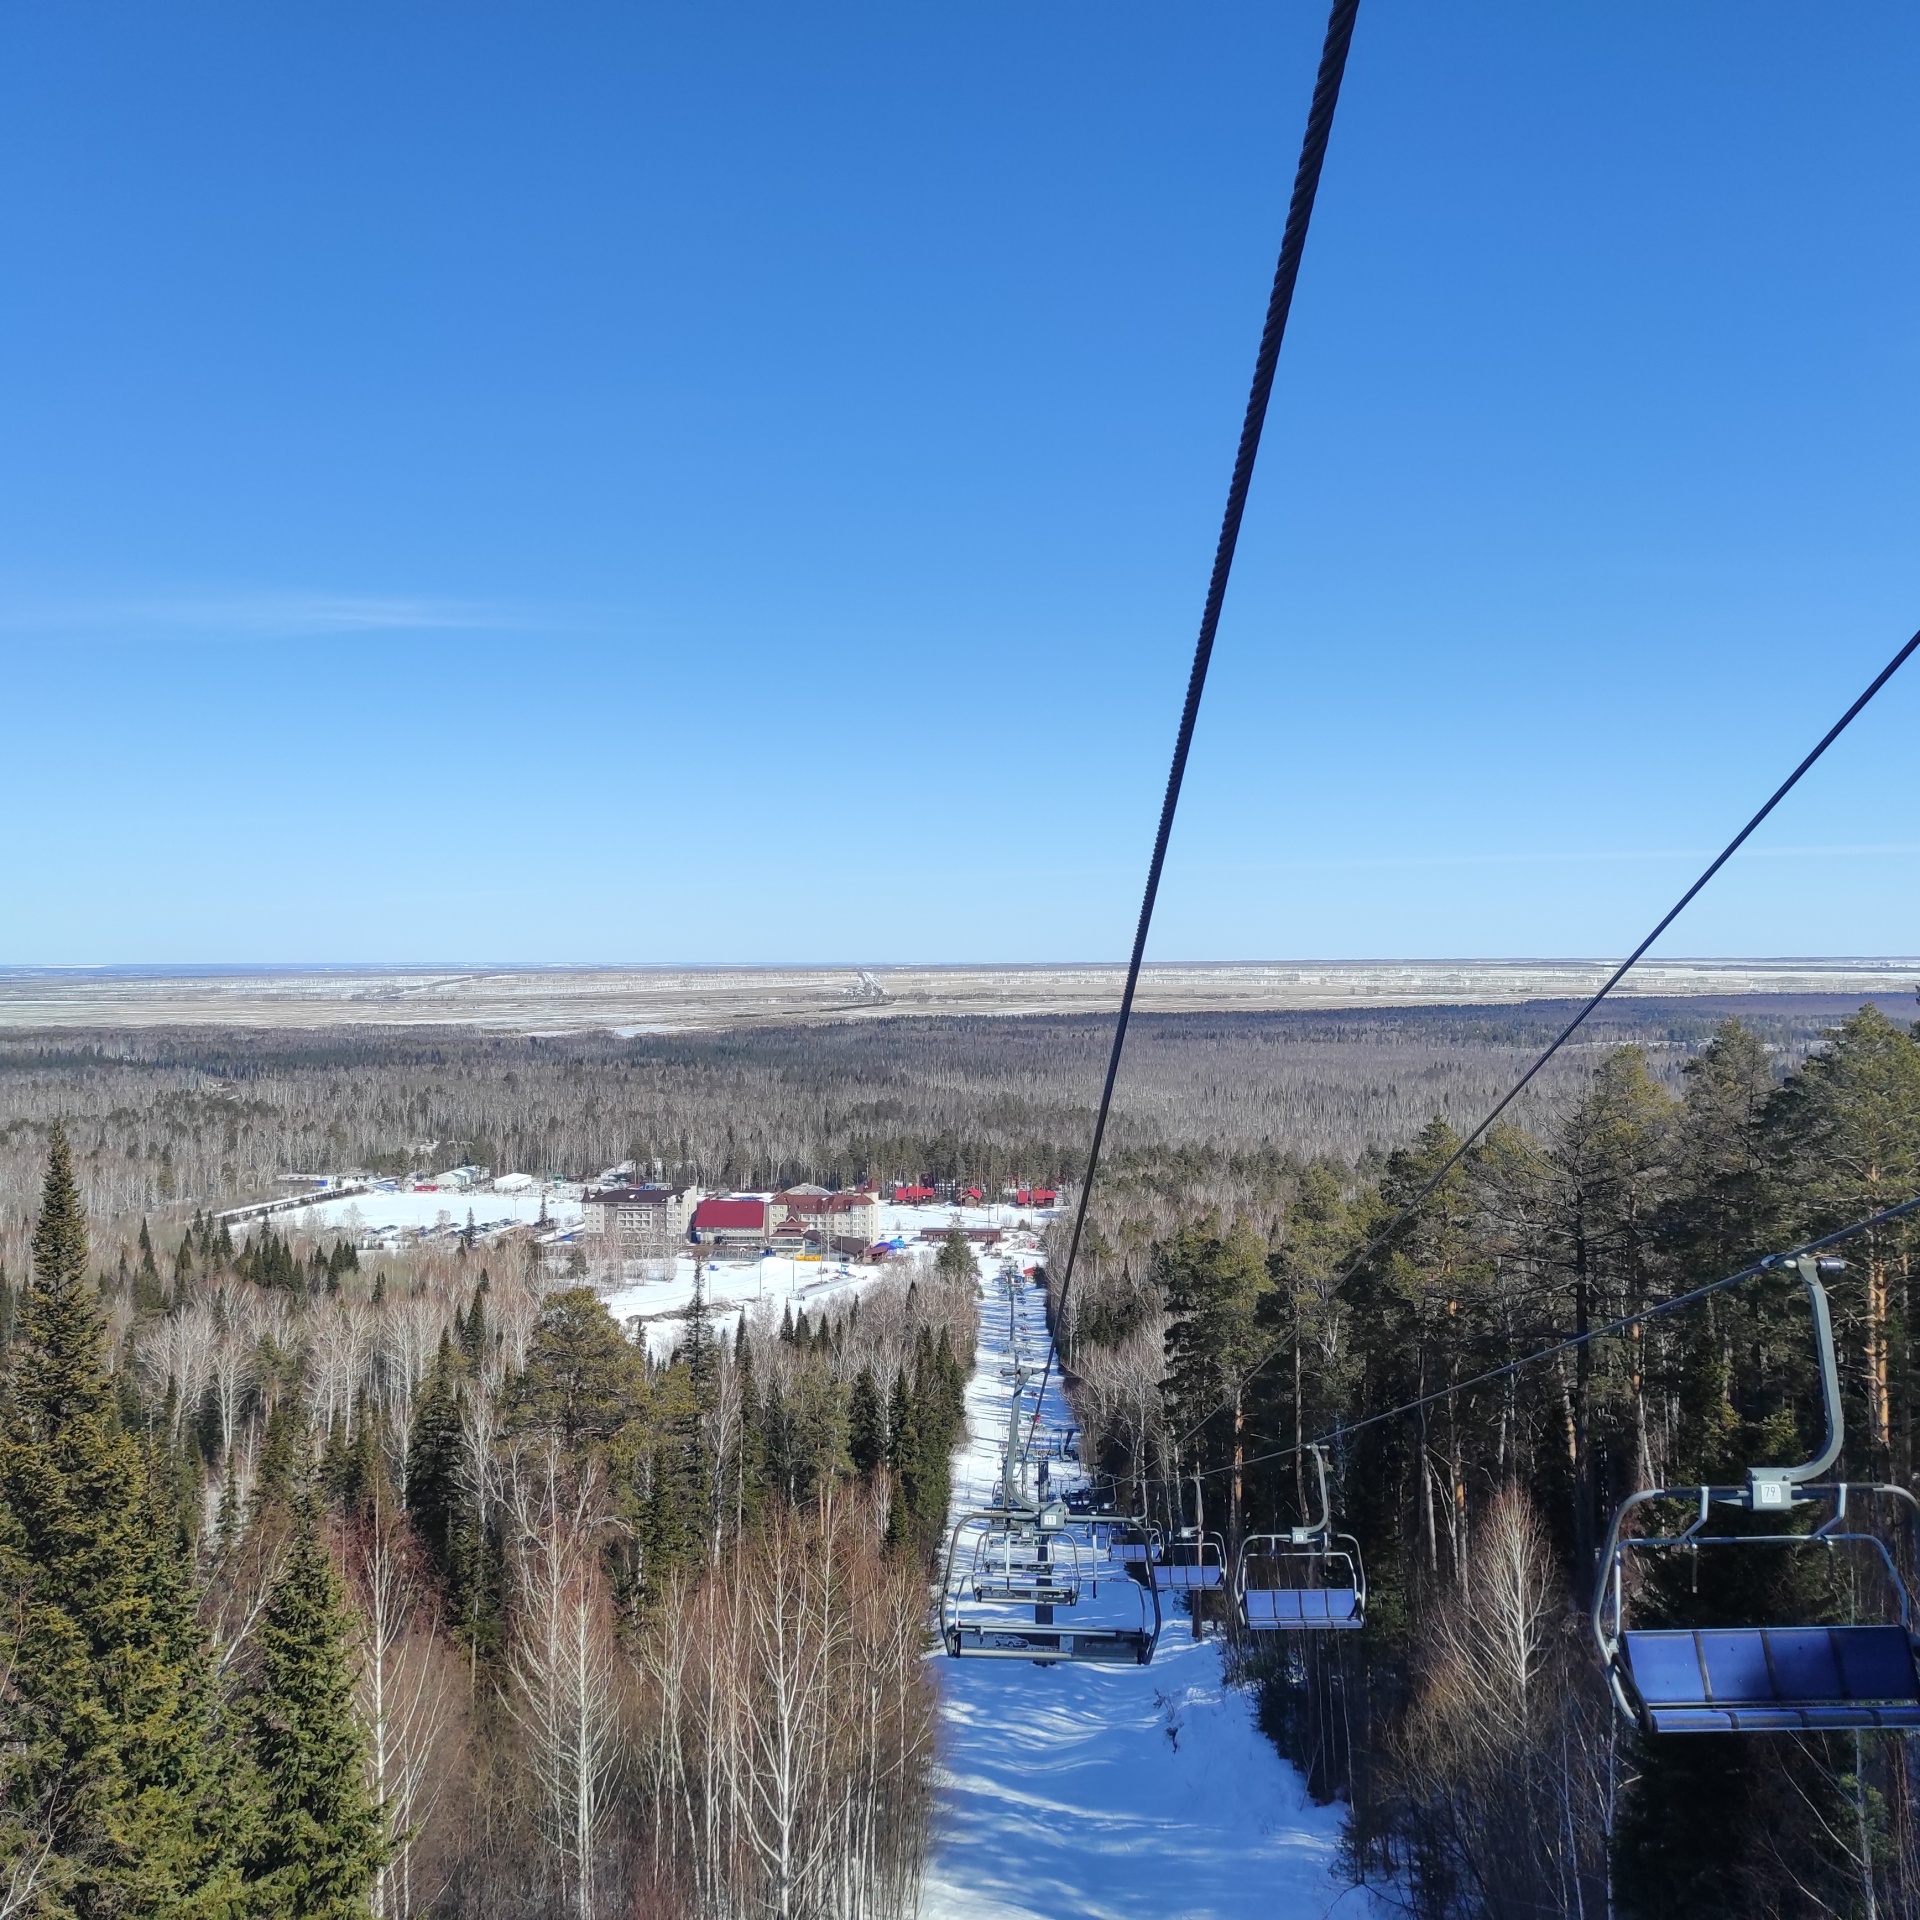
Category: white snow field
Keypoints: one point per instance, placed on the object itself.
(774, 1283)
(391, 1209)
(1079, 1792)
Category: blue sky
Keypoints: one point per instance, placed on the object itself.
(529, 483)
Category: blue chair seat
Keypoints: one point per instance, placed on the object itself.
(1773, 1679)
(1278, 1609)
(1186, 1579)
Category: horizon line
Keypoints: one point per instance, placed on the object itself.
(210, 969)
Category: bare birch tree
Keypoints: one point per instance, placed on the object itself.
(564, 1683)
(404, 1693)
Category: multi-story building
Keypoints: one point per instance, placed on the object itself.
(649, 1218)
(848, 1222)
(733, 1220)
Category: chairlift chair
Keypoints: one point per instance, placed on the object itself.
(1307, 1580)
(978, 1611)
(1017, 1562)
(1130, 1545)
(1765, 1679)
(1191, 1562)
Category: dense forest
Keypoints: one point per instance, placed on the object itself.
(168, 1121)
(335, 1592)
(1468, 1728)
(348, 1584)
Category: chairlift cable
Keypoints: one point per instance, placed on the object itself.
(1612, 1329)
(1733, 846)
(1306, 183)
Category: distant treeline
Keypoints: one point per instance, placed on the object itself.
(1468, 1725)
(163, 1122)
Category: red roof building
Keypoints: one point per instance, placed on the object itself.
(850, 1219)
(731, 1220)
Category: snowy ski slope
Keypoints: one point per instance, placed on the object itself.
(1110, 1793)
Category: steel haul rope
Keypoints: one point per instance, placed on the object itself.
(1306, 184)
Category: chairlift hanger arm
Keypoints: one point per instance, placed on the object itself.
(1767, 1484)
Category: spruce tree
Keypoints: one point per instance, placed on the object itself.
(905, 1532)
(318, 1840)
(750, 1461)
(899, 1417)
(676, 1512)
(776, 1440)
(471, 1329)
(866, 1423)
(956, 1264)
(107, 1750)
(433, 1459)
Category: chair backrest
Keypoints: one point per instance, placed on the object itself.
(1172, 1576)
(1772, 1679)
(1278, 1609)
(1195, 1564)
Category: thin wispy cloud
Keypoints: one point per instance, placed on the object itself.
(264, 616)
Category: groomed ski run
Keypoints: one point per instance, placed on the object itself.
(1077, 1792)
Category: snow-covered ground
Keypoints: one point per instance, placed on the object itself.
(1075, 1792)
(396, 1210)
(657, 1308)
(773, 1282)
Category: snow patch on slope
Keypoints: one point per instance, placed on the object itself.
(1111, 1793)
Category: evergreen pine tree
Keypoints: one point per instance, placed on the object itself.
(472, 1329)
(107, 1756)
(582, 1379)
(904, 1532)
(899, 1418)
(956, 1263)
(866, 1423)
(701, 1352)
(433, 1459)
(750, 1468)
(279, 1460)
(317, 1841)
(776, 1440)
(676, 1511)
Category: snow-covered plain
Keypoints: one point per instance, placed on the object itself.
(398, 1210)
(1110, 1793)
(772, 1283)
(656, 1309)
